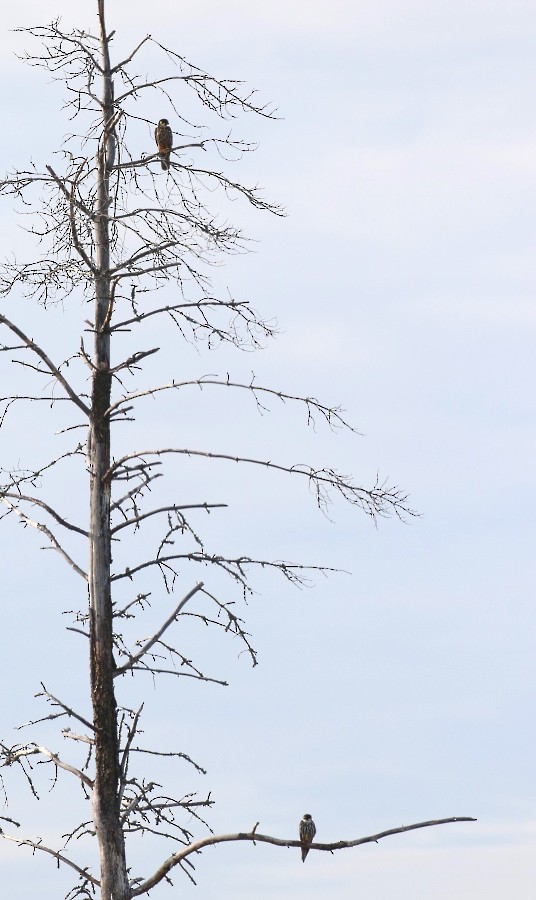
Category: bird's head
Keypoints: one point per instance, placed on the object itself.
(163, 122)
(307, 817)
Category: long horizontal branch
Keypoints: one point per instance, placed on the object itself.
(32, 397)
(233, 566)
(175, 307)
(161, 213)
(48, 362)
(331, 414)
(377, 501)
(278, 842)
(37, 845)
(152, 670)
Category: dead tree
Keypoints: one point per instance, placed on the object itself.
(120, 233)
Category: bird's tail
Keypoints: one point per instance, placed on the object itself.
(164, 161)
(304, 852)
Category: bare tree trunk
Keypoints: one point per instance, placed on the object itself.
(114, 879)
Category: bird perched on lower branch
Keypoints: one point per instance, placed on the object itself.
(307, 833)
(163, 136)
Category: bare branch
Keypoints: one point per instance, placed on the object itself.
(255, 837)
(130, 496)
(82, 738)
(36, 749)
(380, 500)
(162, 509)
(67, 710)
(152, 670)
(37, 845)
(169, 621)
(20, 477)
(44, 530)
(332, 415)
(233, 566)
(187, 311)
(251, 194)
(54, 40)
(129, 58)
(48, 362)
(220, 95)
(49, 509)
(134, 359)
(172, 754)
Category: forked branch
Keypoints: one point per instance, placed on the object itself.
(169, 621)
(19, 753)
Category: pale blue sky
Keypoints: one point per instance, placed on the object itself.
(403, 280)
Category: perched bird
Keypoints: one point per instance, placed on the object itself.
(307, 833)
(163, 136)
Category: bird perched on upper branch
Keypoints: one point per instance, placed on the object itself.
(307, 833)
(163, 136)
